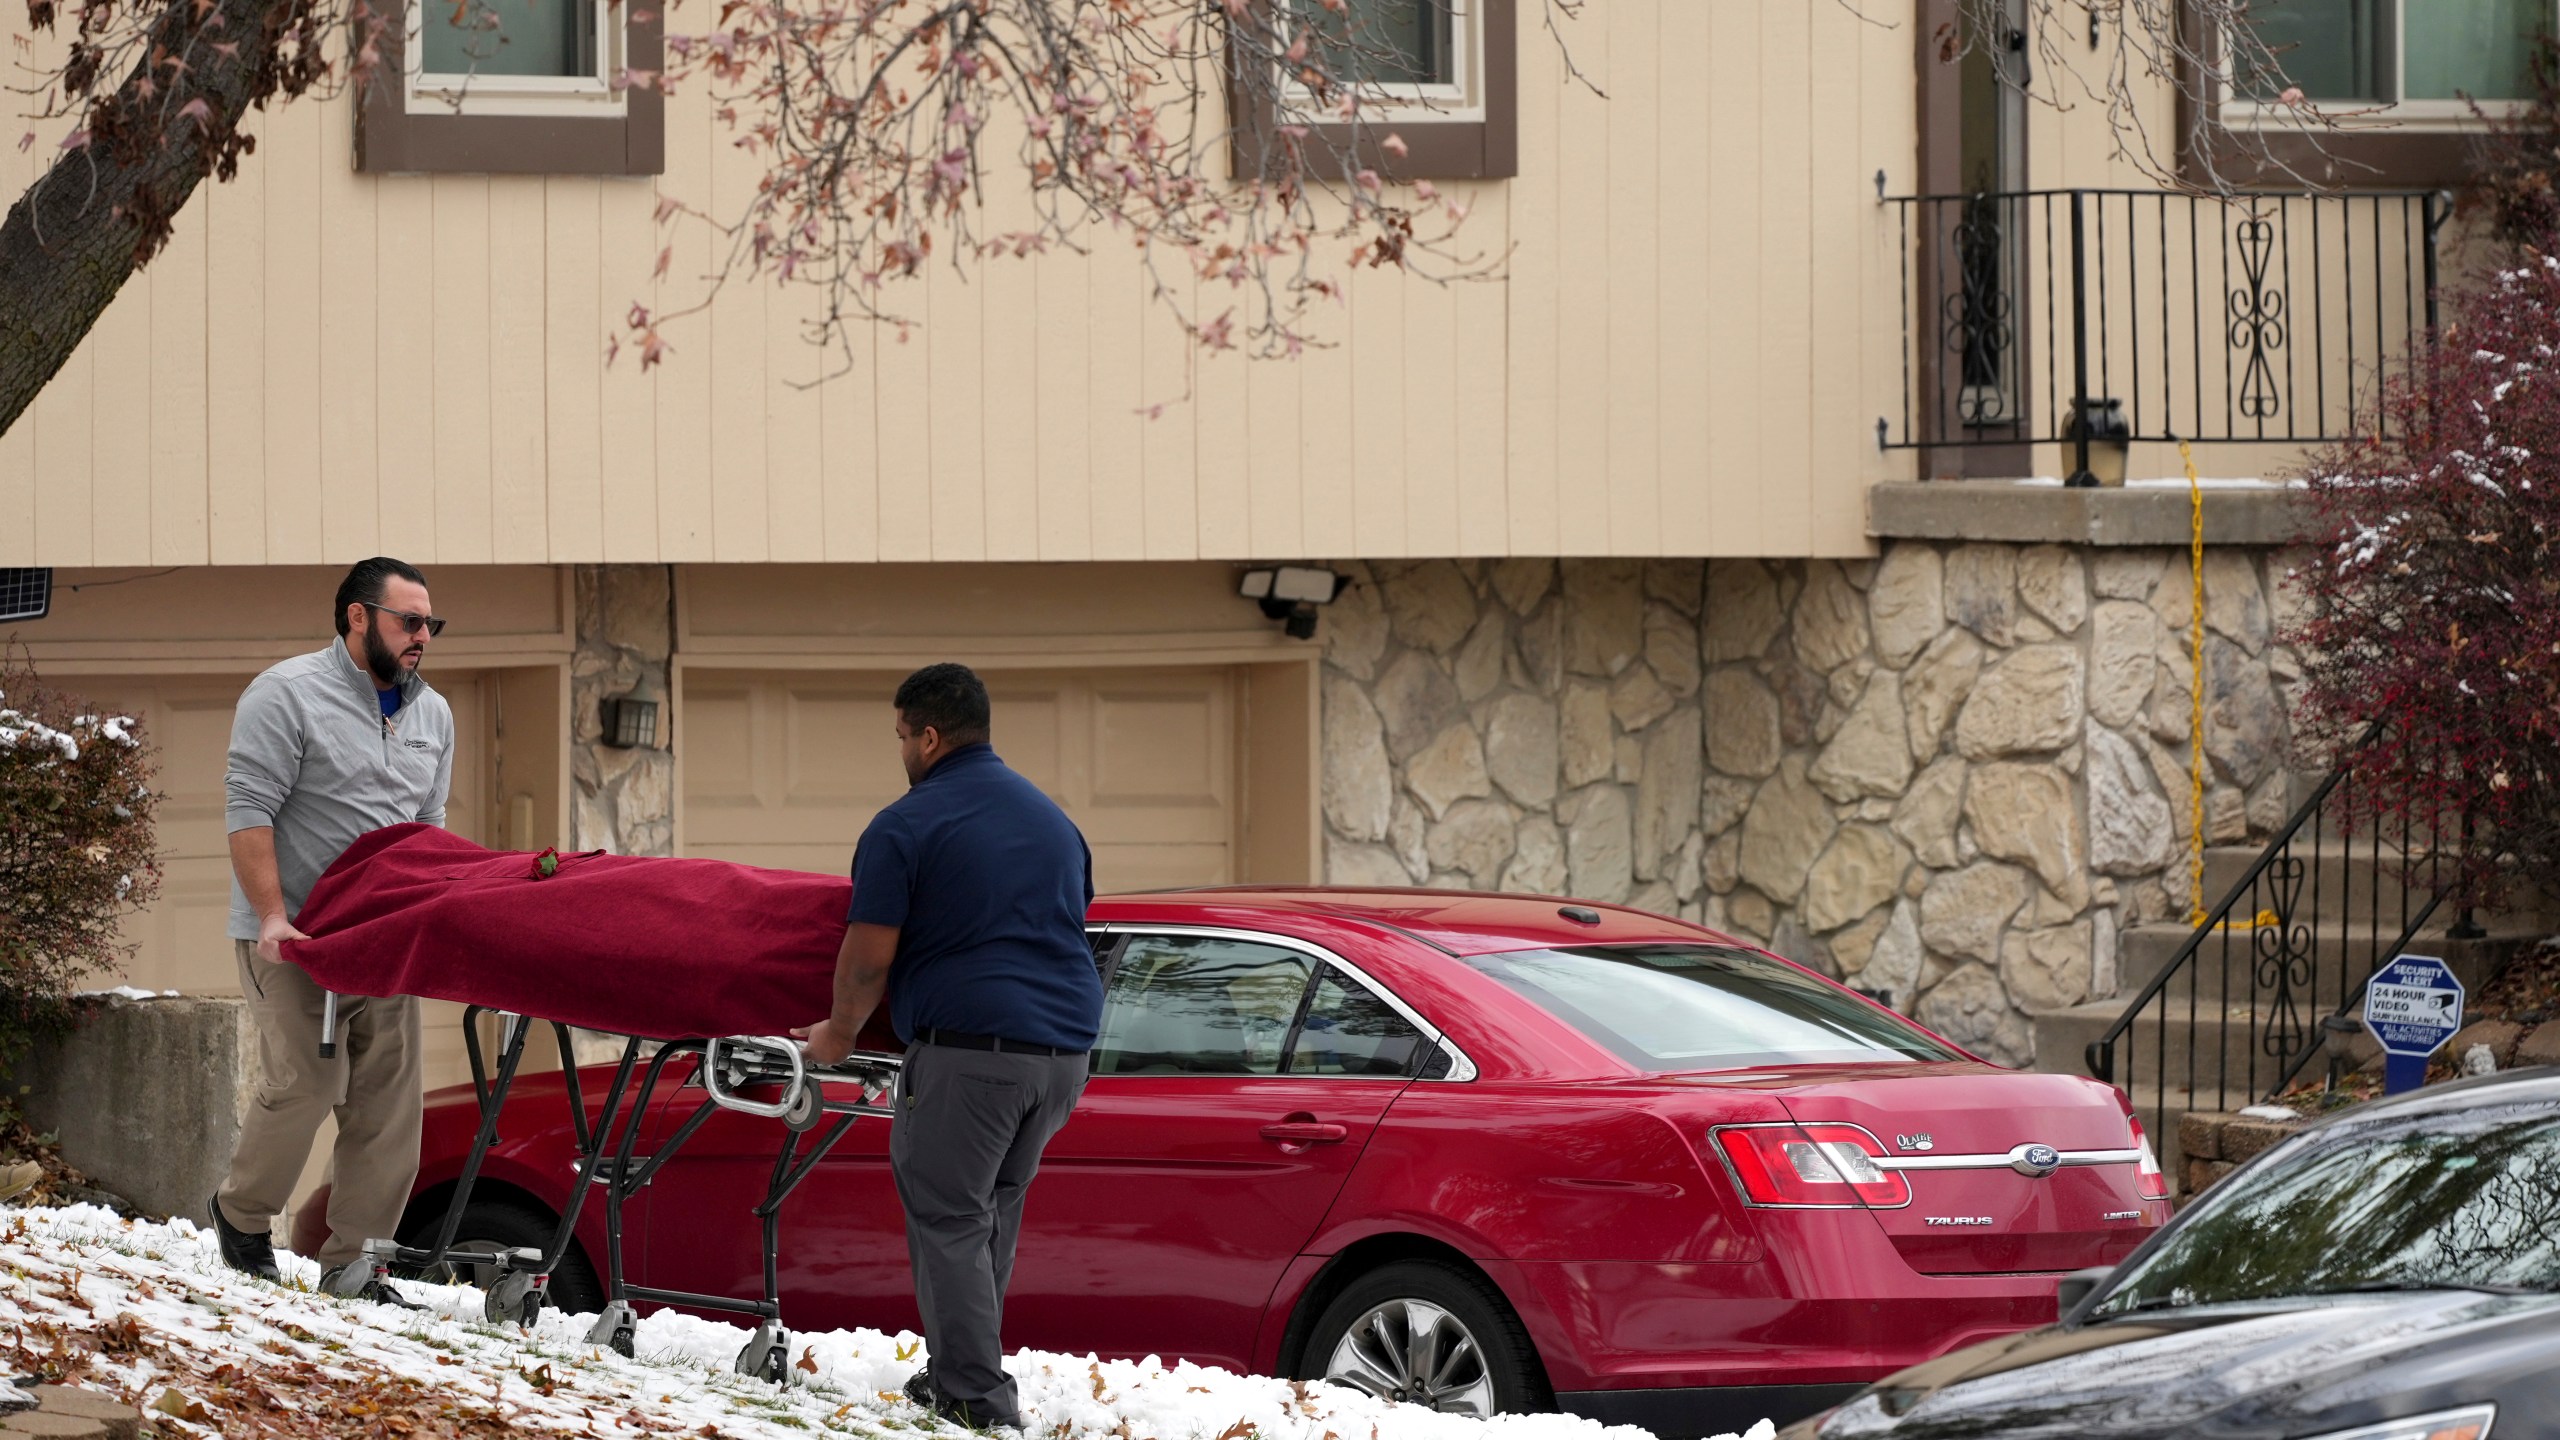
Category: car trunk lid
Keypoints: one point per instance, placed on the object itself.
(1984, 1198)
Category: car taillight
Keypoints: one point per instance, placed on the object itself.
(2148, 1182)
(1811, 1165)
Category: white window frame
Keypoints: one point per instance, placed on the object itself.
(2394, 114)
(1460, 102)
(554, 95)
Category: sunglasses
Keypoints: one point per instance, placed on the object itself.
(412, 624)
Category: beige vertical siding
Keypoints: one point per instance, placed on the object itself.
(1698, 327)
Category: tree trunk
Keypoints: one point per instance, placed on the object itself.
(104, 208)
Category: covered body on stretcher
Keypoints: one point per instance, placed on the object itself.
(702, 962)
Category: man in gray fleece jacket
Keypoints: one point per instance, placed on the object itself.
(326, 747)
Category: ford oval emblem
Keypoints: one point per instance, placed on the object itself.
(2035, 1161)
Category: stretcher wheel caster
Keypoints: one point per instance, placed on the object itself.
(768, 1354)
(803, 1114)
(351, 1280)
(615, 1328)
(515, 1298)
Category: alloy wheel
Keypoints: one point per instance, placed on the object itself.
(1414, 1352)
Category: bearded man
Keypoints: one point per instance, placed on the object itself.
(326, 747)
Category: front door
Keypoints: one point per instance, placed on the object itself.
(1235, 1085)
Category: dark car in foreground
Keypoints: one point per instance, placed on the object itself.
(2386, 1275)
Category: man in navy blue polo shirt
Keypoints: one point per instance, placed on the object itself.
(969, 895)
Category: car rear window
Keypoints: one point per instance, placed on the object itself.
(1705, 1007)
(2434, 1200)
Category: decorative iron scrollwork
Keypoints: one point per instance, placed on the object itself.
(2284, 955)
(1976, 318)
(2257, 316)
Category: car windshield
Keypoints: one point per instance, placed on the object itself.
(1705, 1007)
(2463, 1201)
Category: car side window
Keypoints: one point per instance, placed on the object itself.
(1348, 1030)
(1199, 1005)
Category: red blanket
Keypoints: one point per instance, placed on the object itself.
(669, 949)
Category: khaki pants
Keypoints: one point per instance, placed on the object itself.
(374, 1087)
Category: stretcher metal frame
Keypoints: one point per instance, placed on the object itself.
(728, 1068)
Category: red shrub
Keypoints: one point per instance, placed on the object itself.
(76, 853)
(2435, 585)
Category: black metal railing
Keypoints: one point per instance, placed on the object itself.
(2066, 316)
(2240, 1010)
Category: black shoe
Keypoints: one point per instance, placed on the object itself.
(251, 1252)
(958, 1412)
(377, 1291)
(922, 1391)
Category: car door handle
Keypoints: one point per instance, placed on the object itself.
(1305, 1132)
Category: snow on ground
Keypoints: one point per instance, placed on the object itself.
(84, 1268)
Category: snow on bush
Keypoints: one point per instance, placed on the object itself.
(174, 1318)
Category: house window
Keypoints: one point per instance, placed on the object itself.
(2409, 63)
(515, 56)
(1437, 74)
(518, 87)
(1394, 50)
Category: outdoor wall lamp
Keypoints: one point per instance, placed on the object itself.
(2100, 441)
(1291, 593)
(630, 719)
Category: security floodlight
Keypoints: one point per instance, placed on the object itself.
(1290, 593)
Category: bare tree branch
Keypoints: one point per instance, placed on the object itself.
(878, 122)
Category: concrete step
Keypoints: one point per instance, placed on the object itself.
(2225, 967)
(2347, 877)
(2156, 1049)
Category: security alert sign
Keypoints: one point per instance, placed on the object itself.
(2412, 1006)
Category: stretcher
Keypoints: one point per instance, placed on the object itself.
(691, 963)
(765, 1076)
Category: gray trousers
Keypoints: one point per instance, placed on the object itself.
(967, 1140)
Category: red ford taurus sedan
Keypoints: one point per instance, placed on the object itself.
(1474, 1151)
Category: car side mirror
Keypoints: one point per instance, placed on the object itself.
(2078, 1286)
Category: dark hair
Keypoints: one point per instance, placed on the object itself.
(948, 698)
(366, 583)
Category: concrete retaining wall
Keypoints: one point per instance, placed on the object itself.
(146, 1096)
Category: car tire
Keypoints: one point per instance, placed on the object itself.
(507, 1225)
(1485, 1363)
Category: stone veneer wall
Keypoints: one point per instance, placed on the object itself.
(625, 799)
(1951, 775)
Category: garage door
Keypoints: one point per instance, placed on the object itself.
(179, 942)
(784, 769)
